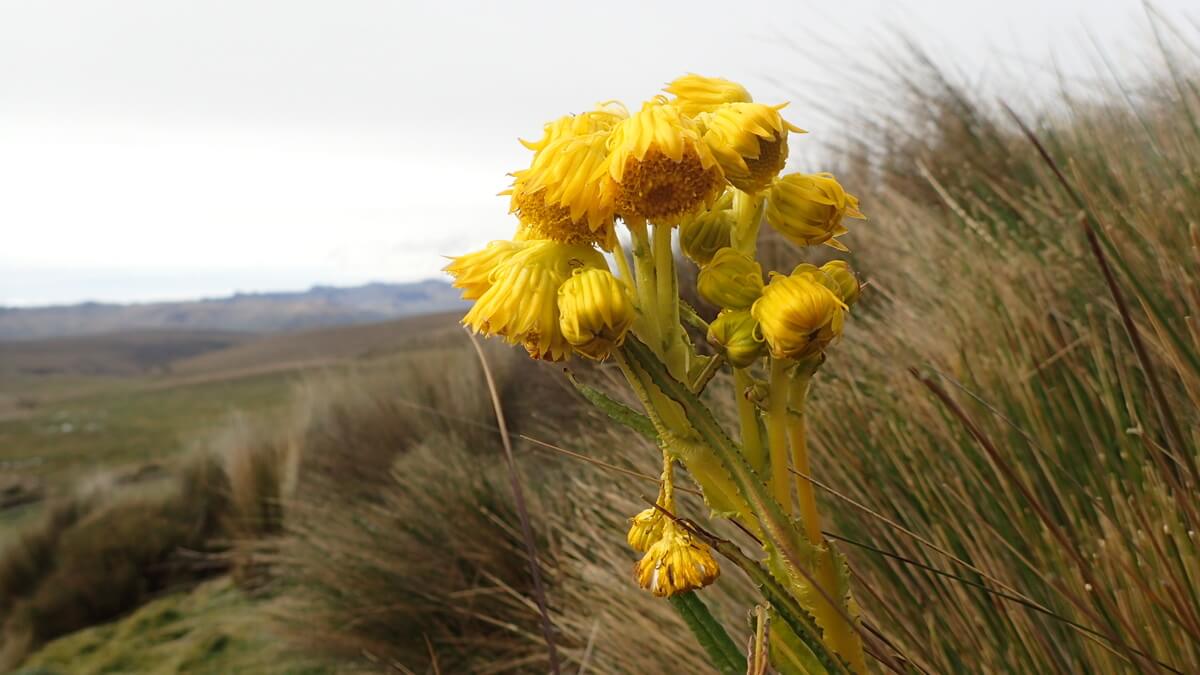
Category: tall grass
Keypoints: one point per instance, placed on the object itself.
(1034, 510)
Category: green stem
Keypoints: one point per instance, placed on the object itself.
(647, 325)
(748, 209)
(752, 446)
(777, 434)
(670, 331)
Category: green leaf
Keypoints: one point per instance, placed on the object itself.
(619, 412)
(722, 652)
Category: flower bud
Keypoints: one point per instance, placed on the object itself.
(808, 209)
(798, 316)
(736, 333)
(847, 283)
(696, 93)
(701, 237)
(732, 280)
(594, 312)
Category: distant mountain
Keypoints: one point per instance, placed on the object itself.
(243, 312)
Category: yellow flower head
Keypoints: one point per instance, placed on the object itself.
(676, 563)
(798, 315)
(749, 140)
(702, 235)
(595, 312)
(472, 272)
(645, 528)
(808, 209)
(560, 196)
(658, 167)
(848, 287)
(736, 333)
(732, 280)
(695, 94)
(521, 305)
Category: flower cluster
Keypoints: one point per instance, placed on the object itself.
(700, 165)
(678, 160)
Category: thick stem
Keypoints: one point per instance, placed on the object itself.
(748, 209)
(623, 267)
(840, 633)
(798, 435)
(667, 291)
(667, 499)
(752, 445)
(777, 423)
(647, 325)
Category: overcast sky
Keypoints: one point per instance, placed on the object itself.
(161, 149)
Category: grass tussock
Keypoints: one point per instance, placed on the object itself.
(97, 554)
(1052, 491)
(430, 565)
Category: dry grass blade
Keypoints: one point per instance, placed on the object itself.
(523, 511)
(1175, 437)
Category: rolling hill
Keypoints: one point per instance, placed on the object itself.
(243, 312)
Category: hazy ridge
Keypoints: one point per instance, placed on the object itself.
(242, 312)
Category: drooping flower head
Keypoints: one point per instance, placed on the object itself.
(695, 94)
(798, 315)
(732, 280)
(521, 305)
(472, 272)
(676, 563)
(750, 142)
(808, 209)
(595, 312)
(659, 169)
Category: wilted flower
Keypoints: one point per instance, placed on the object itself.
(676, 563)
(595, 312)
(735, 332)
(645, 529)
(798, 316)
(521, 305)
(749, 140)
(658, 168)
(808, 209)
(732, 280)
(696, 93)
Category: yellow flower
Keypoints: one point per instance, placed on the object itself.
(707, 232)
(732, 280)
(736, 333)
(808, 209)
(472, 272)
(749, 140)
(658, 167)
(676, 563)
(798, 316)
(645, 528)
(848, 287)
(560, 195)
(595, 312)
(695, 94)
(521, 305)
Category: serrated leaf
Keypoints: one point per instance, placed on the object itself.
(619, 412)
